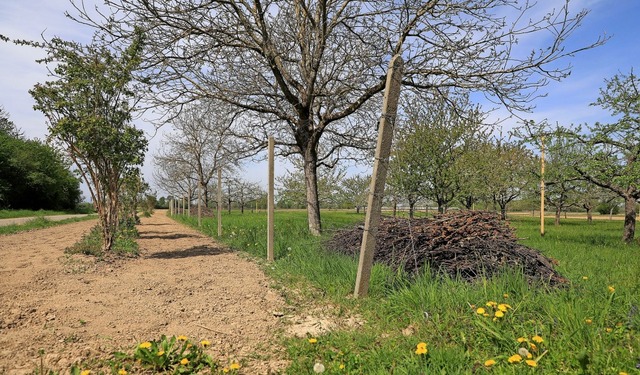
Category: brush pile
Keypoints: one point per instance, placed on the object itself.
(466, 244)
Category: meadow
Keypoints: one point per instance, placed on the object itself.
(436, 324)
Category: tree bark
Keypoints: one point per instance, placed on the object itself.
(629, 219)
(589, 216)
(311, 182)
(557, 217)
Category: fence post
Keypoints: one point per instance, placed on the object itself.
(219, 205)
(270, 203)
(376, 189)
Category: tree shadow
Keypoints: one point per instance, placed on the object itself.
(167, 236)
(195, 251)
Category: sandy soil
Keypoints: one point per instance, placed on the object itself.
(183, 284)
(22, 220)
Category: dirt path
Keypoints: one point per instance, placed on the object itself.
(183, 284)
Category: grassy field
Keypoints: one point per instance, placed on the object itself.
(432, 324)
(39, 223)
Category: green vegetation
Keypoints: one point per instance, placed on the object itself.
(39, 223)
(438, 325)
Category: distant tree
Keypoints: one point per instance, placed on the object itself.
(429, 157)
(7, 126)
(89, 110)
(511, 173)
(355, 191)
(291, 186)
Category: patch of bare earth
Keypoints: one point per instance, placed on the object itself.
(183, 283)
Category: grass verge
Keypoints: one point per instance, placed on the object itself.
(39, 223)
(436, 324)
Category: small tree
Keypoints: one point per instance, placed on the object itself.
(89, 112)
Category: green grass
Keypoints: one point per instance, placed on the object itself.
(586, 327)
(12, 214)
(39, 223)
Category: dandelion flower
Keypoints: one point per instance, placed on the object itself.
(503, 307)
(184, 361)
(522, 339)
(588, 321)
(489, 362)
(313, 340)
(611, 289)
(225, 370)
(85, 372)
(622, 373)
(421, 348)
(318, 368)
(499, 314)
(609, 329)
(505, 295)
(182, 338)
(533, 347)
(516, 358)
(341, 366)
(205, 343)
(480, 311)
(585, 278)
(531, 363)
(234, 366)
(537, 339)
(145, 345)
(160, 353)
(492, 303)
(122, 372)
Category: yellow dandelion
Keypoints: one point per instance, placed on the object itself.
(585, 277)
(234, 366)
(622, 373)
(205, 343)
(481, 311)
(516, 358)
(341, 366)
(588, 321)
(421, 348)
(531, 363)
(313, 341)
(485, 314)
(492, 303)
(182, 338)
(538, 339)
(505, 295)
(122, 372)
(533, 347)
(503, 307)
(85, 372)
(489, 362)
(611, 289)
(609, 329)
(184, 361)
(225, 370)
(522, 339)
(499, 314)
(145, 345)
(160, 353)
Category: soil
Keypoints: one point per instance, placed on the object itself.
(74, 307)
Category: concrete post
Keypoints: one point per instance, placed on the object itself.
(270, 203)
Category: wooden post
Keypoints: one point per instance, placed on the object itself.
(381, 164)
(199, 205)
(189, 203)
(542, 187)
(219, 202)
(270, 203)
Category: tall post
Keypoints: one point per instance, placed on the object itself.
(219, 202)
(189, 203)
(183, 204)
(542, 186)
(270, 203)
(199, 205)
(381, 164)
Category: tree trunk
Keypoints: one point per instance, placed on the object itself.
(557, 217)
(311, 182)
(357, 209)
(412, 206)
(589, 216)
(629, 219)
(395, 208)
(503, 212)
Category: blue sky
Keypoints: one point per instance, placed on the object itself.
(567, 102)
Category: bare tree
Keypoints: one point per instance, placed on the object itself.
(201, 143)
(310, 69)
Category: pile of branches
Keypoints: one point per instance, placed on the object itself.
(466, 244)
